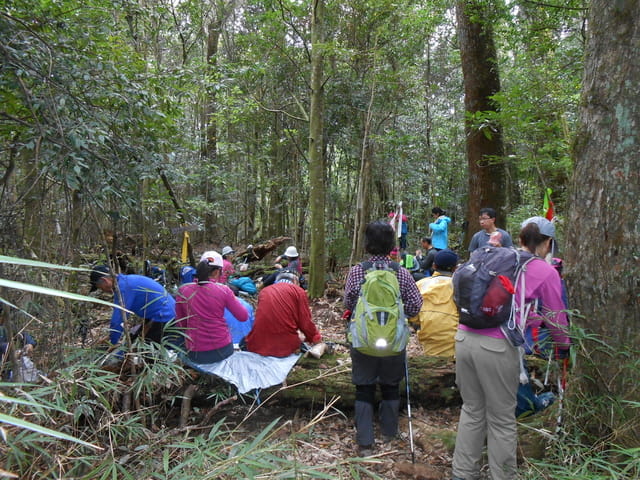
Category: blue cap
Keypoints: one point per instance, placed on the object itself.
(446, 259)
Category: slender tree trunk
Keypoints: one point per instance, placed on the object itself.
(210, 124)
(317, 169)
(487, 173)
(280, 184)
(363, 206)
(603, 225)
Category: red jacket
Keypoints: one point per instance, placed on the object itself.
(283, 309)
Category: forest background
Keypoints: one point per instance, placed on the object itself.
(125, 123)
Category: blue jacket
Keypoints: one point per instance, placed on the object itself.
(440, 229)
(144, 297)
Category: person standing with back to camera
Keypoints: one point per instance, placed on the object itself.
(369, 371)
(488, 365)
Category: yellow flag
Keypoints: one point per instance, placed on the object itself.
(185, 247)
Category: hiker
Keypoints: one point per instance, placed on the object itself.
(438, 317)
(538, 343)
(187, 274)
(24, 343)
(292, 258)
(490, 234)
(439, 228)
(282, 319)
(200, 311)
(292, 264)
(386, 371)
(404, 229)
(227, 267)
(409, 262)
(141, 295)
(488, 365)
(426, 259)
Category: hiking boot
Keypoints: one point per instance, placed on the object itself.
(389, 438)
(365, 450)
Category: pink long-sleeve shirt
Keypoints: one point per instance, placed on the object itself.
(200, 312)
(542, 283)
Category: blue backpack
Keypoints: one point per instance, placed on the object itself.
(186, 274)
(245, 284)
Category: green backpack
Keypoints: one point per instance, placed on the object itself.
(378, 325)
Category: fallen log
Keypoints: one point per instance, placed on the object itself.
(257, 252)
(313, 381)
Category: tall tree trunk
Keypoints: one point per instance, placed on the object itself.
(317, 170)
(280, 181)
(485, 150)
(363, 205)
(602, 240)
(209, 123)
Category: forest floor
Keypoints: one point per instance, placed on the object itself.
(325, 435)
(331, 440)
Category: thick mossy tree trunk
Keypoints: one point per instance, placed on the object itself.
(316, 155)
(603, 229)
(485, 150)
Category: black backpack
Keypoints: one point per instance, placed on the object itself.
(484, 286)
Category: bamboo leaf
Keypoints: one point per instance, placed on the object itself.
(43, 430)
(56, 293)
(36, 263)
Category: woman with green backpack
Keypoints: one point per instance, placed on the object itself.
(381, 294)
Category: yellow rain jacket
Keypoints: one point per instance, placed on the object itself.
(438, 317)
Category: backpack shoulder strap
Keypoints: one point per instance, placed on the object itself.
(395, 266)
(366, 266)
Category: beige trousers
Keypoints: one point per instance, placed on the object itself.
(487, 375)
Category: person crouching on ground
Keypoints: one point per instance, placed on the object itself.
(438, 318)
(282, 311)
(227, 267)
(200, 312)
(369, 371)
(139, 294)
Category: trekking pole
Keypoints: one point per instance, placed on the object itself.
(562, 385)
(406, 370)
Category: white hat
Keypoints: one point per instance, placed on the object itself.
(545, 226)
(291, 252)
(212, 257)
(227, 250)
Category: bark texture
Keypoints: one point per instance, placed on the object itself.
(484, 146)
(603, 226)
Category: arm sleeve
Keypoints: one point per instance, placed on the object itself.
(411, 297)
(553, 310)
(115, 329)
(181, 310)
(352, 289)
(507, 241)
(236, 308)
(438, 226)
(428, 263)
(305, 324)
(474, 243)
(28, 339)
